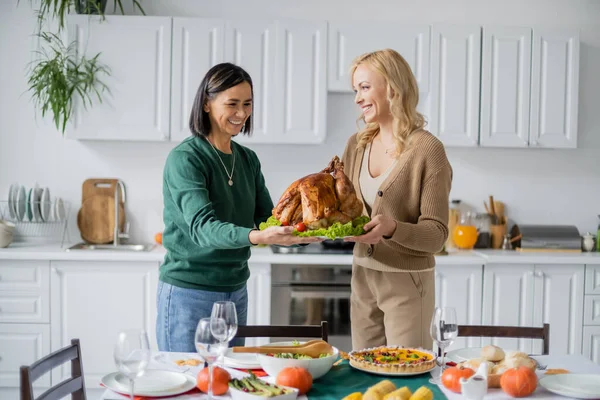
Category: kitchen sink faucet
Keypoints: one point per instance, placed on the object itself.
(116, 234)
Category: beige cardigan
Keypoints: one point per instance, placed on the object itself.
(416, 195)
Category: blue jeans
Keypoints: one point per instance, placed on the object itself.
(179, 311)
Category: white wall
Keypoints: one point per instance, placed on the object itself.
(539, 186)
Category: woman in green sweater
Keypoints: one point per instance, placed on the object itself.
(401, 172)
(214, 196)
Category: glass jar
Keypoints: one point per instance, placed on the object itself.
(453, 219)
(482, 222)
(465, 233)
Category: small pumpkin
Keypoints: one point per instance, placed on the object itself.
(220, 381)
(451, 377)
(296, 377)
(518, 382)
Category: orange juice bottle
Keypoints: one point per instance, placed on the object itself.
(464, 235)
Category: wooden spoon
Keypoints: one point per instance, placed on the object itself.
(314, 349)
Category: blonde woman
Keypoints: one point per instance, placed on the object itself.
(401, 172)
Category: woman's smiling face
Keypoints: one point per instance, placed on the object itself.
(230, 109)
(370, 88)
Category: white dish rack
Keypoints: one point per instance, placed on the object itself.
(32, 228)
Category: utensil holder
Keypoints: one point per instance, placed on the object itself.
(498, 231)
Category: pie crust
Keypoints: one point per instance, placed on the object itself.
(393, 359)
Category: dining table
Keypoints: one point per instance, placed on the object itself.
(343, 379)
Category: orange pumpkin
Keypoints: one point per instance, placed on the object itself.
(220, 382)
(451, 377)
(518, 382)
(296, 377)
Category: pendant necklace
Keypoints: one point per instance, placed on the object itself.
(230, 181)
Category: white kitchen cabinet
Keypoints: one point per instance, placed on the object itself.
(22, 344)
(259, 299)
(455, 82)
(300, 82)
(137, 49)
(508, 298)
(531, 295)
(198, 45)
(558, 301)
(347, 42)
(286, 60)
(461, 287)
(251, 44)
(554, 88)
(591, 343)
(505, 87)
(93, 301)
(592, 279)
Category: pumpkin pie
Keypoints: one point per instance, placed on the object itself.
(393, 359)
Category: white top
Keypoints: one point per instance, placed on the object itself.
(368, 184)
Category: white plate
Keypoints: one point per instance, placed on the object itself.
(34, 200)
(241, 360)
(59, 209)
(154, 383)
(45, 205)
(21, 200)
(579, 386)
(12, 199)
(460, 355)
(392, 373)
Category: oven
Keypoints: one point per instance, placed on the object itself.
(306, 294)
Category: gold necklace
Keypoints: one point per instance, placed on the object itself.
(230, 176)
(388, 150)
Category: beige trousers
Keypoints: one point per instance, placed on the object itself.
(391, 308)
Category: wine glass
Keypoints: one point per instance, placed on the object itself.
(444, 330)
(226, 310)
(132, 354)
(208, 338)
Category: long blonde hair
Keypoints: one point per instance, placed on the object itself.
(402, 95)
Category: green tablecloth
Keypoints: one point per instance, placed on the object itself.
(343, 380)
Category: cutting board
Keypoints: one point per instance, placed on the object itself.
(96, 216)
(96, 219)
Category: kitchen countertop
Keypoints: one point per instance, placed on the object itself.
(23, 251)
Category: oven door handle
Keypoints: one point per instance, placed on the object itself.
(311, 284)
(320, 292)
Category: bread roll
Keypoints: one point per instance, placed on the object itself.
(516, 362)
(492, 353)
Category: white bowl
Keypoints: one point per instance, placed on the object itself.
(6, 226)
(5, 239)
(316, 366)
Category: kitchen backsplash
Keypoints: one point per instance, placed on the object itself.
(538, 186)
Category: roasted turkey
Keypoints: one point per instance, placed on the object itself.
(319, 200)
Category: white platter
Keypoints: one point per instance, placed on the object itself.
(578, 386)
(154, 383)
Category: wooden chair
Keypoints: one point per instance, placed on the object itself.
(283, 331)
(508, 332)
(74, 386)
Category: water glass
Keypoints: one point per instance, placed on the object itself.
(208, 338)
(226, 310)
(443, 329)
(132, 355)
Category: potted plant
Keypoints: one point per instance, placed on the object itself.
(59, 9)
(59, 76)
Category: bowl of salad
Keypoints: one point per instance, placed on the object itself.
(273, 363)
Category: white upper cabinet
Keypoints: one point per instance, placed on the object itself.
(347, 41)
(505, 87)
(251, 45)
(198, 44)
(455, 80)
(137, 49)
(554, 89)
(301, 81)
(287, 62)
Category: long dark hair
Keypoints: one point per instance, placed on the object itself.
(218, 79)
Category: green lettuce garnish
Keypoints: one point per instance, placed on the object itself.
(337, 230)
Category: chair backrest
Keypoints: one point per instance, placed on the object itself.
(74, 386)
(283, 331)
(508, 332)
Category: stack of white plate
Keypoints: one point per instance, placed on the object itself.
(34, 204)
